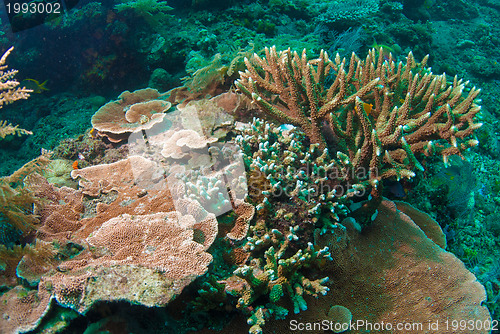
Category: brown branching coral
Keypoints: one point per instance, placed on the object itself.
(377, 113)
(7, 129)
(302, 99)
(9, 258)
(37, 260)
(10, 92)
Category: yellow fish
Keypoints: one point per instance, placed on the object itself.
(34, 85)
(386, 49)
(368, 107)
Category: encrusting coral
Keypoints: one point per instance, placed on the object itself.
(407, 277)
(145, 259)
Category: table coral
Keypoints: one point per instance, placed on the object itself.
(180, 143)
(117, 253)
(133, 111)
(145, 259)
(214, 120)
(195, 165)
(245, 212)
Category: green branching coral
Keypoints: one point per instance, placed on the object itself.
(212, 296)
(273, 276)
(280, 274)
(285, 169)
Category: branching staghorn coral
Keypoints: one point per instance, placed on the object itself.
(281, 275)
(278, 271)
(296, 181)
(377, 114)
(10, 92)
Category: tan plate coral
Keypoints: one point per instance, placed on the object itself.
(133, 111)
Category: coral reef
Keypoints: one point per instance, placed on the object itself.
(203, 214)
(87, 253)
(152, 11)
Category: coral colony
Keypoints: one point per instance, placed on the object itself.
(279, 216)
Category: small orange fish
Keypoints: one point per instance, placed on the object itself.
(93, 133)
(368, 108)
(75, 164)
